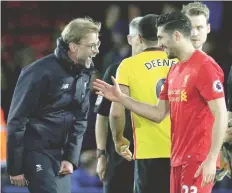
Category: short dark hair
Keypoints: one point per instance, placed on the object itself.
(147, 27)
(175, 21)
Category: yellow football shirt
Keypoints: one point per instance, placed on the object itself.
(144, 74)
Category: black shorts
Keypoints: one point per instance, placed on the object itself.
(42, 174)
(152, 175)
(119, 178)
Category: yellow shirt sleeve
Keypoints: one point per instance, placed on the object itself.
(122, 75)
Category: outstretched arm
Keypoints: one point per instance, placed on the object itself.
(154, 113)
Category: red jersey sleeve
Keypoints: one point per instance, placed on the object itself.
(210, 81)
(164, 92)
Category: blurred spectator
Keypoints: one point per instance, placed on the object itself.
(120, 48)
(112, 16)
(24, 56)
(133, 11)
(168, 8)
(86, 175)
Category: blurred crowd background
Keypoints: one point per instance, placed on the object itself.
(29, 30)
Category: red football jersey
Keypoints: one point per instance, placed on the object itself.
(188, 87)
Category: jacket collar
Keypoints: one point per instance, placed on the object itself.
(153, 49)
(61, 53)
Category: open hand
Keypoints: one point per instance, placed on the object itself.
(112, 93)
(208, 170)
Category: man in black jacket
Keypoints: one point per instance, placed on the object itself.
(48, 113)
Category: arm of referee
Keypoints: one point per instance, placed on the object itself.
(117, 111)
(102, 108)
(118, 117)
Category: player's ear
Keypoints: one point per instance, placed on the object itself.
(177, 35)
(129, 39)
(208, 28)
(72, 47)
(140, 38)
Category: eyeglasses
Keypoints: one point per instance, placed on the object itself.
(93, 47)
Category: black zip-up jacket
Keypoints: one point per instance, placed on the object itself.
(49, 109)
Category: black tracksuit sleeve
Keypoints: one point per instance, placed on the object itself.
(29, 87)
(102, 105)
(72, 149)
(229, 89)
